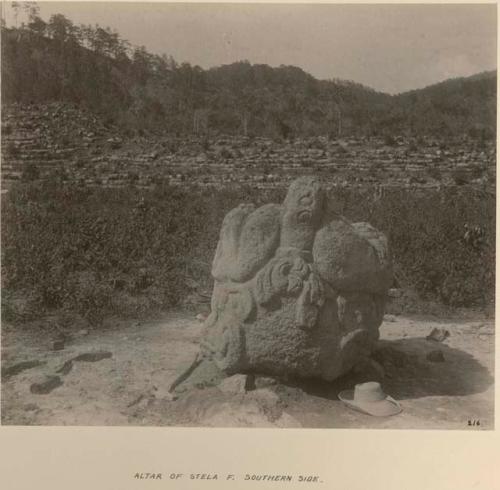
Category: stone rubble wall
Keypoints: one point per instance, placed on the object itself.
(62, 140)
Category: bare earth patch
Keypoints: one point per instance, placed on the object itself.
(120, 376)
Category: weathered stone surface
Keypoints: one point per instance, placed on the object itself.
(238, 383)
(248, 240)
(265, 382)
(353, 257)
(296, 292)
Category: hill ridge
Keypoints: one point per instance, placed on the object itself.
(138, 91)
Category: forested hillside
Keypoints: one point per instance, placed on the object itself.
(127, 86)
(456, 106)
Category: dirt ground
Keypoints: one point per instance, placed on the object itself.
(120, 376)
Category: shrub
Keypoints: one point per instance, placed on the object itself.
(30, 172)
(459, 176)
(12, 149)
(434, 172)
(316, 144)
(127, 251)
(156, 242)
(389, 140)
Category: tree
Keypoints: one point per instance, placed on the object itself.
(32, 11)
(60, 28)
(38, 26)
(16, 7)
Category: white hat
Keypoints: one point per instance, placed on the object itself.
(369, 398)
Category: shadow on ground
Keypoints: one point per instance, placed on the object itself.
(409, 374)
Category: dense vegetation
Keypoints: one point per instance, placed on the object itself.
(126, 251)
(128, 86)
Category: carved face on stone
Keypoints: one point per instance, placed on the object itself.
(303, 211)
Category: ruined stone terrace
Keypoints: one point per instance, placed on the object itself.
(64, 142)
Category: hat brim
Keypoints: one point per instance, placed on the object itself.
(383, 408)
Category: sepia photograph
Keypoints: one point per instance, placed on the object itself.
(248, 215)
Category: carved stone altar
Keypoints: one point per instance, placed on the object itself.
(297, 290)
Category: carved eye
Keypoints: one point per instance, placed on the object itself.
(306, 200)
(285, 268)
(304, 216)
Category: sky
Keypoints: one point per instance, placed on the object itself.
(391, 48)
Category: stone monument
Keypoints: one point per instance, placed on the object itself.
(298, 290)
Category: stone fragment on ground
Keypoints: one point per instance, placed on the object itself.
(438, 335)
(46, 385)
(19, 367)
(93, 356)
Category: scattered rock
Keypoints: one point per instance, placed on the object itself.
(9, 371)
(201, 317)
(438, 335)
(239, 383)
(46, 386)
(389, 318)
(93, 356)
(435, 356)
(83, 332)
